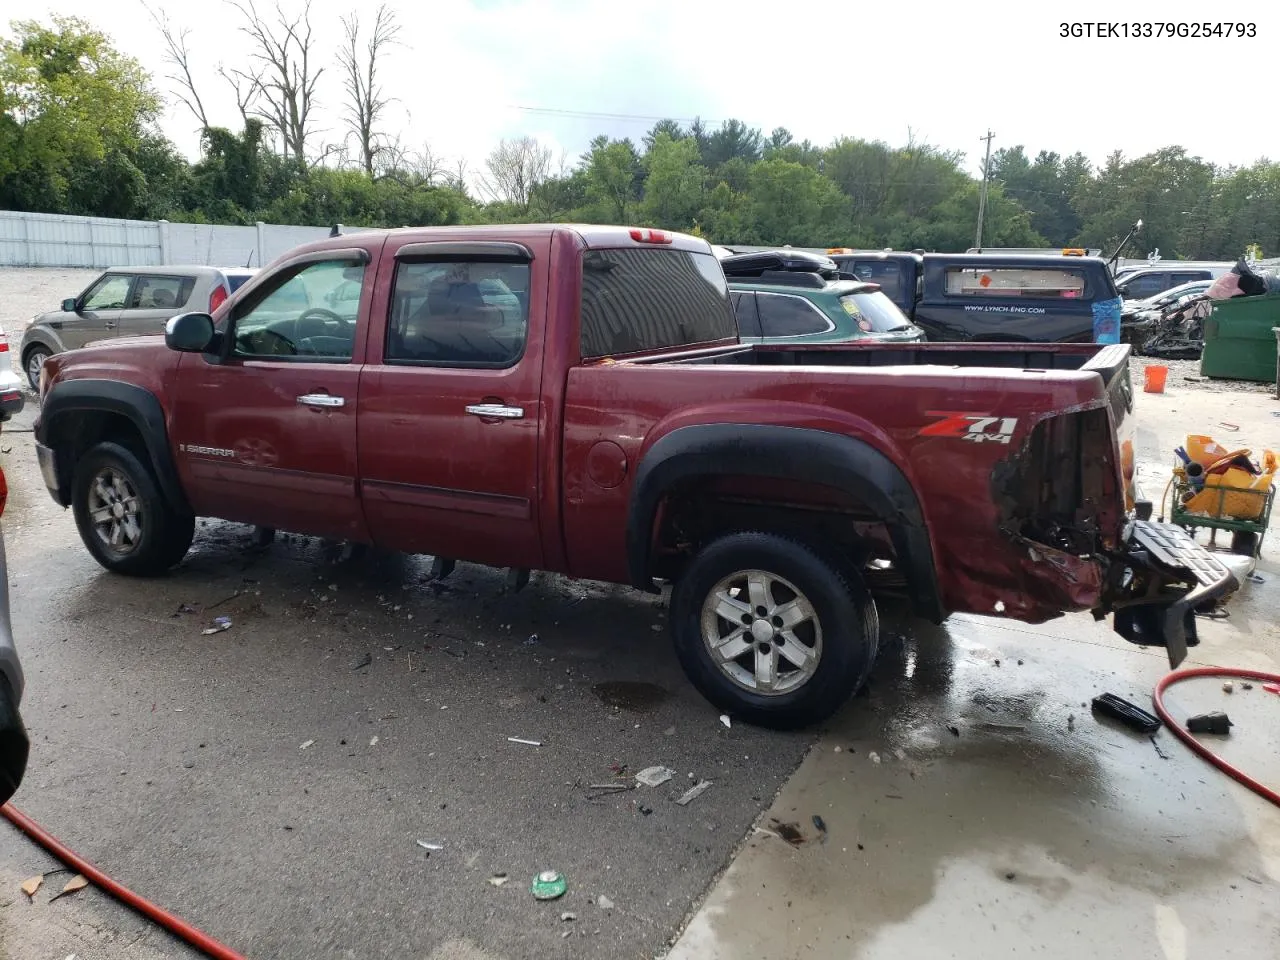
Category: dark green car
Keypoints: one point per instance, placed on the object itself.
(806, 308)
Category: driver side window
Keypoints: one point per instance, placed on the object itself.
(310, 313)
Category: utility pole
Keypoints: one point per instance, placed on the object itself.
(982, 197)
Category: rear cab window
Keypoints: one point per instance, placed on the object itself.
(640, 300)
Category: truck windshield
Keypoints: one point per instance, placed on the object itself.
(636, 300)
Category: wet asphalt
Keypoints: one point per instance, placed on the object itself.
(270, 782)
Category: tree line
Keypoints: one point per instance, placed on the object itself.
(80, 134)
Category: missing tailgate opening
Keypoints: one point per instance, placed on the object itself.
(1054, 491)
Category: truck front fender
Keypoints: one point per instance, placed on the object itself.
(785, 453)
(62, 414)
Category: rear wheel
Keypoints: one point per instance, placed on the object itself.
(122, 518)
(773, 631)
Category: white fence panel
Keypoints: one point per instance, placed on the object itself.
(48, 240)
(211, 245)
(53, 240)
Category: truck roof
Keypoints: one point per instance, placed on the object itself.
(590, 234)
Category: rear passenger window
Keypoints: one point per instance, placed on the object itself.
(1041, 282)
(459, 313)
(787, 316)
(161, 293)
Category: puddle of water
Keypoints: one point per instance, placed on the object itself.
(631, 695)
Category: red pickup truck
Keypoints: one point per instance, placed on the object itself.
(576, 399)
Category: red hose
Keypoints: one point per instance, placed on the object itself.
(1157, 698)
(201, 941)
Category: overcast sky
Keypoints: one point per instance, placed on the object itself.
(469, 71)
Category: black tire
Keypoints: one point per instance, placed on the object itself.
(162, 536)
(29, 360)
(843, 610)
(1244, 542)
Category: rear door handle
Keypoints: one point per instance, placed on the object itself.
(321, 400)
(497, 411)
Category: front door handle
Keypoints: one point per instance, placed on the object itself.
(496, 411)
(321, 400)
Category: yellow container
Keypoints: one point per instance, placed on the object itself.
(1236, 494)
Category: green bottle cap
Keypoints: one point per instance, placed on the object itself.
(548, 885)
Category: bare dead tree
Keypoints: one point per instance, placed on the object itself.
(282, 48)
(246, 86)
(516, 169)
(178, 57)
(365, 100)
(428, 165)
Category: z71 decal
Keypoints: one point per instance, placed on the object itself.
(977, 427)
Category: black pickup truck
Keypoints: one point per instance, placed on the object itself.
(994, 297)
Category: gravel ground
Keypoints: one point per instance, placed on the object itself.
(1186, 373)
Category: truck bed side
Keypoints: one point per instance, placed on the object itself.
(935, 461)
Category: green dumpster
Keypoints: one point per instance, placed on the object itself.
(1238, 339)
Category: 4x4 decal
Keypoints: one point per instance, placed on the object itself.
(978, 427)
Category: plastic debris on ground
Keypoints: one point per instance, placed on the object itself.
(498, 879)
(1214, 722)
(305, 744)
(219, 624)
(724, 718)
(694, 792)
(427, 845)
(548, 885)
(875, 757)
(362, 662)
(604, 903)
(1130, 714)
(568, 917)
(821, 826)
(529, 743)
(655, 776)
(1271, 687)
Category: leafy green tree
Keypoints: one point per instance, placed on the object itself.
(75, 118)
(793, 204)
(613, 176)
(674, 183)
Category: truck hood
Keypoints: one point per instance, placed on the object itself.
(142, 361)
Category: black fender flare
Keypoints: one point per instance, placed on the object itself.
(785, 453)
(138, 405)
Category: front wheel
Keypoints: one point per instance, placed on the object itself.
(772, 631)
(32, 362)
(122, 518)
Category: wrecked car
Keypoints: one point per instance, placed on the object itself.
(577, 399)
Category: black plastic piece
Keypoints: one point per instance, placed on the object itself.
(441, 567)
(1127, 713)
(1215, 722)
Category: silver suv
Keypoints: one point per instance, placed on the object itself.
(14, 744)
(126, 302)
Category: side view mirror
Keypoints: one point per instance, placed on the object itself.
(189, 332)
(69, 305)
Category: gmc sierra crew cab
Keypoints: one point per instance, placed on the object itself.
(576, 399)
